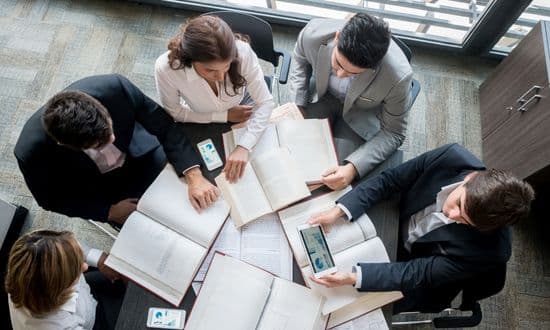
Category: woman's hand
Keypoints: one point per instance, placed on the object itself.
(239, 113)
(235, 164)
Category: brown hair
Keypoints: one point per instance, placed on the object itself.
(42, 267)
(204, 39)
(77, 120)
(496, 198)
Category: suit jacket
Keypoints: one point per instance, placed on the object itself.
(68, 181)
(376, 104)
(444, 258)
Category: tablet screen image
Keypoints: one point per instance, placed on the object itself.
(317, 249)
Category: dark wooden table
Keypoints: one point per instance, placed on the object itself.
(137, 301)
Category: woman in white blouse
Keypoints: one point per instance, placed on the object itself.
(203, 77)
(48, 290)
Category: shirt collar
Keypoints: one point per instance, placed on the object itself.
(192, 74)
(442, 196)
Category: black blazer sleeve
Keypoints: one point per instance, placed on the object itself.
(158, 122)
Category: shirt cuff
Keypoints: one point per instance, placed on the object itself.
(219, 116)
(247, 141)
(359, 276)
(92, 258)
(190, 168)
(345, 210)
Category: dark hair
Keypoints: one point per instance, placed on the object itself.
(42, 268)
(77, 120)
(364, 40)
(204, 39)
(496, 198)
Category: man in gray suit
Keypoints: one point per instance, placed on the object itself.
(362, 84)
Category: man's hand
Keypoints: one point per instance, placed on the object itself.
(335, 280)
(235, 164)
(338, 177)
(120, 211)
(201, 192)
(108, 272)
(239, 113)
(326, 218)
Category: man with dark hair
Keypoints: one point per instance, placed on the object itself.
(94, 148)
(362, 84)
(454, 218)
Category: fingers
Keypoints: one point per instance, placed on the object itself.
(133, 200)
(194, 203)
(330, 171)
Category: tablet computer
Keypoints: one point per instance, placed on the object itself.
(317, 250)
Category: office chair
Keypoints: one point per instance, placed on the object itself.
(473, 290)
(415, 85)
(261, 41)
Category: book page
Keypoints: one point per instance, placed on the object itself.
(246, 196)
(280, 178)
(268, 140)
(167, 201)
(372, 250)
(263, 244)
(292, 306)
(286, 111)
(157, 251)
(232, 296)
(228, 242)
(371, 321)
(366, 225)
(229, 143)
(310, 144)
(341, 235)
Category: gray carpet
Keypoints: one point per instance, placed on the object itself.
(45, 45)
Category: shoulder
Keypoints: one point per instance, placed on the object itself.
(454, 155)
(33, 140)
(161, 64)
(394, 65)
(164, 71)
(320, 31)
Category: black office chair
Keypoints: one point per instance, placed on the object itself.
(415, 86)
(477, 288)
(261, 41)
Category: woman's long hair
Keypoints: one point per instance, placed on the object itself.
(206, 39)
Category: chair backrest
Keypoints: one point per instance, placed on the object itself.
(482, 286)
(404, 48)
(259, 31)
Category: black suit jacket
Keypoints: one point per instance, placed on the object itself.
(68, 181)
(443, 258)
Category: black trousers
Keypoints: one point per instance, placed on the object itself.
(109, 297)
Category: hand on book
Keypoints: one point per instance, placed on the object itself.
(335, 280)
(120, 211)
(239, 113)
(326, 218)
(235, 164)
(201, 192)
(339, 177)
(107, 271)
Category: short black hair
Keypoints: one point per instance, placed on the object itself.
(364, 40)
(77, 120)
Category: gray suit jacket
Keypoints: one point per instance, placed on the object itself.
(376, 103)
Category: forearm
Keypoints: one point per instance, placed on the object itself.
(256, 124)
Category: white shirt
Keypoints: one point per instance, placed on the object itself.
(107, 158)
(339, 87)
(189, 98)
(77, 313)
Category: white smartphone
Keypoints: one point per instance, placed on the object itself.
(165, 318)
(317, 250)
(209, 154)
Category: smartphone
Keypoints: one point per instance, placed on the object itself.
(164, 318)
(209, 154)
(317, 250)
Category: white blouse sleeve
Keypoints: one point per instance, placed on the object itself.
(263, 100)
(169, 96)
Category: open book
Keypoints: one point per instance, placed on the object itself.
(309, 142)
(349, 242)
(236, 295)
(162, 244)
(270, 182)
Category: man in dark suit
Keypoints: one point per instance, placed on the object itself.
(454, 217)
(94, 148)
